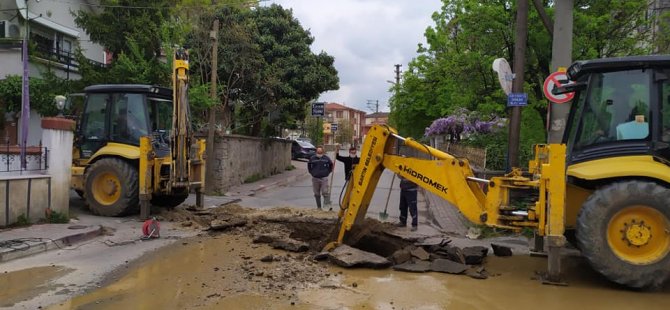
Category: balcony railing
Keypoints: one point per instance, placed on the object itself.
(65, 58)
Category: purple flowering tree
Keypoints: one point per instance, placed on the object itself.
(462, 123)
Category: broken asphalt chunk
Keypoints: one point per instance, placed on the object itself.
(346, 256)
(290, 245)
(266, 238)
(475, 255)
(501, 250)
(420, 253)
(447, 266)
(223, 224)
(418, 266)
(401, 256)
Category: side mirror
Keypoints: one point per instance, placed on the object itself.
(569, 88)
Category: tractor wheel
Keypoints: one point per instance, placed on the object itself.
(111, 187)
(169, 201)
(623, 230)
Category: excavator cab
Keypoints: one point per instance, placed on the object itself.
(618, 167)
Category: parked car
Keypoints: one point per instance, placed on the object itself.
(303, 139)
(300, 149)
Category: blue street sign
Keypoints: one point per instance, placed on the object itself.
(333, 127)
(517, 100)
(318, 109)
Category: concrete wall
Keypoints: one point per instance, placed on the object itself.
(58, 137)
(26, 195)
(239, 157)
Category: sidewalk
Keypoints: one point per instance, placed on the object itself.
(445, 215)
(21, 242)
(268, 183)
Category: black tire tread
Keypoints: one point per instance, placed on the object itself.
(129, 201)
(591, 233)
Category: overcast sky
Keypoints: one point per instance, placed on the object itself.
(366, 37)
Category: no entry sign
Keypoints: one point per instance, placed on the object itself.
(554, 80)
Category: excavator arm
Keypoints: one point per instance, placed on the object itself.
(454, 180)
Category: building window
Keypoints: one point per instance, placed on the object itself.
(338, 114)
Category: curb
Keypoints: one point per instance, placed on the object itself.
(44, 245)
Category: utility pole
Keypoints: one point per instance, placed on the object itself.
(397, 75)
(375, 104)
(561, 56)
(214, 35)
(25, 97)
(517, 86)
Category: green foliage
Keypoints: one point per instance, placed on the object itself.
(56, 217)
(115, 25)
(42, 92)
(22, 220)
(267, 70)
(314, 128)
(253, 178)
(130, 67)
(453, 69)
(290, 167)
(344, 133)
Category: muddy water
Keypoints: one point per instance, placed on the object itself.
(206, 276)
(24, 284)
(511, 288)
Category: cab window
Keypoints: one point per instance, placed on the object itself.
(616, 108)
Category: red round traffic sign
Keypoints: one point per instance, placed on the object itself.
(554, 80)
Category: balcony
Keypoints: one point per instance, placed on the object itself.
(64, 60)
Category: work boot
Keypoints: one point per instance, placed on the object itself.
(318, 202)
(414, 228)
(401, 224)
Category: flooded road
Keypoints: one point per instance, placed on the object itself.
(225, 272)
(27, 283)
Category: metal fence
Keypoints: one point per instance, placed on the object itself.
(36, 159)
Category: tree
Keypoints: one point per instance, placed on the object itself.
(120, 21)
(268, 72)
(344, 133)
(314, 128)
(453, 70)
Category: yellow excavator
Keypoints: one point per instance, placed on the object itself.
(134, 147)
(606, 186)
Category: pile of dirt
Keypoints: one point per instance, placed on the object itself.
(306, 232)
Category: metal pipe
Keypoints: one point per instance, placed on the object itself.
(474, 179)
(520, 213)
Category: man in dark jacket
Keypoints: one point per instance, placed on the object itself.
(408, 201)
(320, 166)
(349, 161)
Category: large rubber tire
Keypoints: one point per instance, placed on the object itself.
(169, 201)
(623, 230)
(112, 188)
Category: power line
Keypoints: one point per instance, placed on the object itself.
(153, 7)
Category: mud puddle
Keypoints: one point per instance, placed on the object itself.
(512, 287)
(25, 284)
(232, 269)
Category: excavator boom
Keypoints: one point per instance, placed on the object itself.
(453, 179)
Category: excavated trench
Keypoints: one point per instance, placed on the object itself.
(315, 228)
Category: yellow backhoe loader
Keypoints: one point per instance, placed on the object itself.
(606, 187)
(134, 147)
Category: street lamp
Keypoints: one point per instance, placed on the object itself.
(60, 104)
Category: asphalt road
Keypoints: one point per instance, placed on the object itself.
(299, 194)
